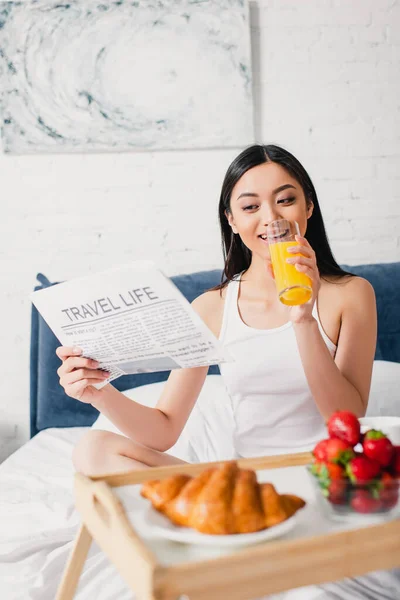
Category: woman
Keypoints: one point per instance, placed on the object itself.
(293, 366)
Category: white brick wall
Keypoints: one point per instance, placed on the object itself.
(326, 86)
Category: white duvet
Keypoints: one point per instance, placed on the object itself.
(38, 522)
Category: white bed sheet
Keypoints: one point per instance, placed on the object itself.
(38, 523)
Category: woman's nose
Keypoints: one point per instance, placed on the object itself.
(269, 214)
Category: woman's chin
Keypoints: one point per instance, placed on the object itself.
(262, 256)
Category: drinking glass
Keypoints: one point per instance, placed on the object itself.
(293, 287)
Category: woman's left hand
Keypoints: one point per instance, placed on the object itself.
(307, 264)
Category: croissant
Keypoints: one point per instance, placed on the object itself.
(221, 501)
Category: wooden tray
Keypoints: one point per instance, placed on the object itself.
(247, 573)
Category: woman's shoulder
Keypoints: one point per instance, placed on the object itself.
(350, 291)
(342, 301)
(210, 307)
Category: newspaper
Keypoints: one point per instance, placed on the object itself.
(131, 319)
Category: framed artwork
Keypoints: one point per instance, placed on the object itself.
(88, 76)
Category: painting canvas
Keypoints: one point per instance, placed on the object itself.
(87, 76)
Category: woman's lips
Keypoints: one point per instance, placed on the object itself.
(279, 235)
(265, 241)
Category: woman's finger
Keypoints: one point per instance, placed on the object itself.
(301, 260)
(305, 244)
(80, 374)
(76, 363)
(304, 241)
(304, 250)
(307, 271)
(65, 352)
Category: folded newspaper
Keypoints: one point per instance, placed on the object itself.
(131, 319)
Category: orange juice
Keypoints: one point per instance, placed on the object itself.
(293, 287)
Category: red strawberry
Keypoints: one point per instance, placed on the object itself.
(388, 490)
(363, 502)
(395, 465)
(337, 491)
(387, 479)
(362, 469)
(390, 498)
(319, 451)
(338, 451)
(376, 445)
(344, 425)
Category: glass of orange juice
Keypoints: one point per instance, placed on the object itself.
(292, 286)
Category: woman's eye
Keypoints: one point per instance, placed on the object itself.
(286, 200)
(250, 207)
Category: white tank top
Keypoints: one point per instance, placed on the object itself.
(273, 409)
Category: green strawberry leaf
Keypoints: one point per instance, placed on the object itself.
(374, 434)
(346, 456)
(323, 477)
(375, 488)
(350, 474)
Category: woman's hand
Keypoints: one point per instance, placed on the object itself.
(307, 264)
(78, 375)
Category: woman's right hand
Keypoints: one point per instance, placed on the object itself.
(78, 374)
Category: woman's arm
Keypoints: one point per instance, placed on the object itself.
(159, 427)
(342, 383)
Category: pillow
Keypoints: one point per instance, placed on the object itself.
(384, 397)
(207, 435)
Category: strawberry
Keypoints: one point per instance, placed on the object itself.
(388, 490)
(319, 451)
(327, 472)
(387, 479)
(344, 425)
(395, 465)
(377, 446)
(336, 492)
(338, 451)
(389, 498)
(363, 502)
(362, 469)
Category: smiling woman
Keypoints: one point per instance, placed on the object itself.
(292, 366)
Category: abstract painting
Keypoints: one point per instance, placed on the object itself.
(88, 76)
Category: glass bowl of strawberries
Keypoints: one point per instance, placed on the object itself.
(356, 473)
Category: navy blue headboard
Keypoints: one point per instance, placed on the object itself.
(51, 407)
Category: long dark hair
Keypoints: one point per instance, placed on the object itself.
(237, 256)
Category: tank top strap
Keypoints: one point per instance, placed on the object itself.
(327, 340)
(230, 304)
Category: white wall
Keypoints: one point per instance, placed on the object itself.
(326, 86)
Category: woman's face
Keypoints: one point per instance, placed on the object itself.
(262, 195)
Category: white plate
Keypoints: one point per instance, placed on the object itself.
(161, 526)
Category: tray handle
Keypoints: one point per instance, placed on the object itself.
(105, 505)
(104, 515)
(97, 498)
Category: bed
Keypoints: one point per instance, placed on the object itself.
(37, 516)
